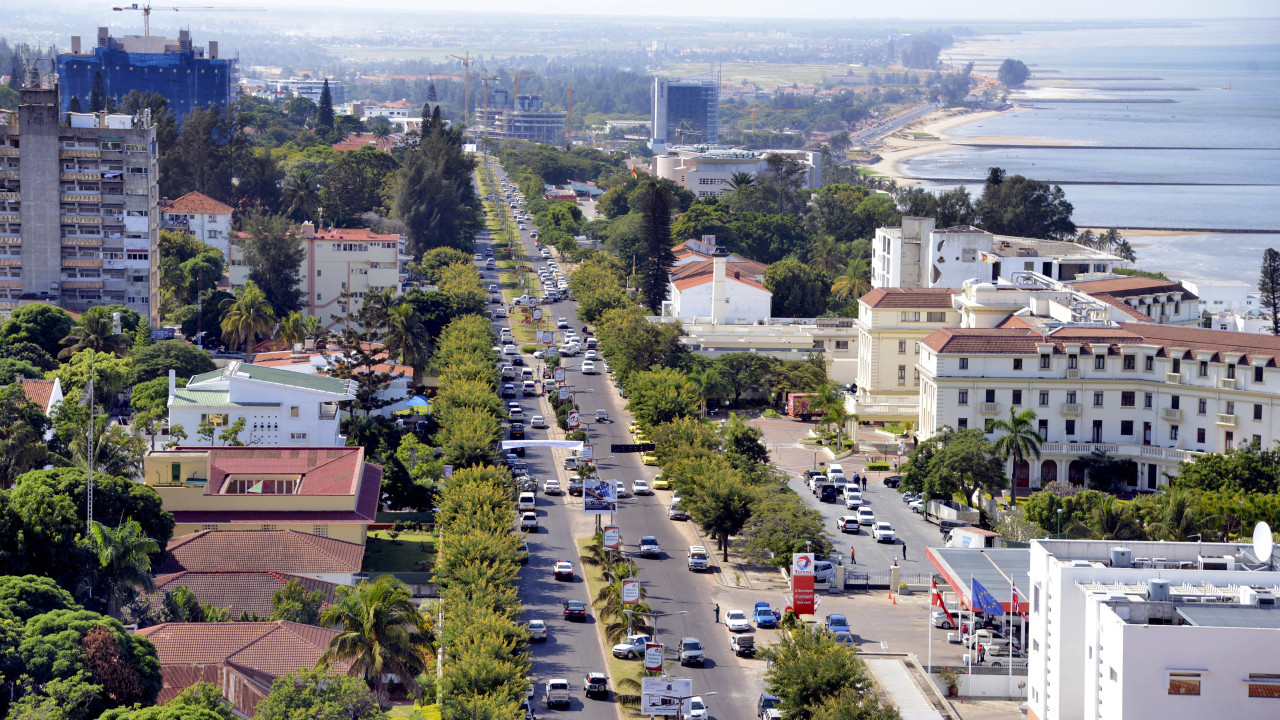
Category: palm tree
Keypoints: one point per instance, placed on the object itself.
(854, 282)
(1020, 440)
(95, 329)
(382, 632)
(313, 328)
(290, 329)
(407, 340)
(830, 401)
(124, 562)
(1178, 519)
(826, 255)
(302, 193)
(709, 384)
(247, 317)
(1110, 520)
(741, 180)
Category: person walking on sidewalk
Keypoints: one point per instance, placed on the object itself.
(853, 555)
(904, 551)
(717, 613)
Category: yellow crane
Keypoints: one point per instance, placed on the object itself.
(516, 82)
(467, 62)
(146, 9)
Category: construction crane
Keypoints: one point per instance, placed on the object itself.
(146, 9)
(485, 79)
(467, 62)
(516, 82)
(568, 118)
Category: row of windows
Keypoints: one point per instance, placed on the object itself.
(1128, 398)
(1187, 682)
(914, 316)
(1128, 362)
(1126, 430)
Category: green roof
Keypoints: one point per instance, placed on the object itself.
(211, 398)
(322, 383)
(202, 377)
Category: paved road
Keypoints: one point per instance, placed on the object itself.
(670, 586)
(891, 125)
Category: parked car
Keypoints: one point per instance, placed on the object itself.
(848, 524)
(764, 615)
(866, 516)
(892, 481)
(575, 486)
(837, 623)
(737, 621)
(743, 645)
(883, 532)
(767, 707)
(698, 558)
(853, 500)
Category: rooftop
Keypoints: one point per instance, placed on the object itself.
(285, 551)
(317, 470)
(937, 298)
(1131, 286)
(197, 203)
(1009, 246)
(239, 590)
(275, 376)
(1173, 341)
(1231, 616)
(750, 268)
(997, 570)
(39, 391)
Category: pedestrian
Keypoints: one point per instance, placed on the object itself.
(868, 458)
(904, 552)
(717, 613)
(853, 555)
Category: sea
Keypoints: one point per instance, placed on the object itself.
(1169, 126)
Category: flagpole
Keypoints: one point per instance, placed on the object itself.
(930, 621)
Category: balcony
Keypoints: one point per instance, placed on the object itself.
(884, 406)
(81, 219)
(94, 175)
(82, 240)
(1226, 420)
(80, 152)
(1073, 373)
(84, 197)
(1173, 378)
(8, 152)
(1071, 409)
(10, 218)
(8, 174)
(1171, 414)
(10, 196)
(1226, 383)
(328, 411)
(989, 408)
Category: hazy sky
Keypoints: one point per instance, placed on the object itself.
(913, 9)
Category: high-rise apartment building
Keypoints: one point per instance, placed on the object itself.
(527, 120)
(686, 111)
(78, 217)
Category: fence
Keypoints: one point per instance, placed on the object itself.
(981, 681)
(418, 582)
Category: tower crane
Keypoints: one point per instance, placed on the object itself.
(568, 118)
(485, 79)
(467, 62)
(146, 9)
(516, 82)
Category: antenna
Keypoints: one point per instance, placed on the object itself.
(1263, 544)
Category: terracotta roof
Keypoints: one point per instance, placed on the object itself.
(238, 590)
(197, 203)
(1251, 349)
(364, 512)
(750, 268)
(704, 278)
(286, 551)
(39, 391)
(322, 471)
(909, 298)
(1132, 286)
(1127, 309)
(1255, 348)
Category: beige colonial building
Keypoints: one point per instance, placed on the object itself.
(890, 325)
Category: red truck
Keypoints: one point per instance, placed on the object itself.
(798, 405)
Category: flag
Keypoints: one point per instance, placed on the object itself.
(936, 599)
(983, 601)
(1017, 601)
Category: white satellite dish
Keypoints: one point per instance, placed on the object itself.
(1263, 544)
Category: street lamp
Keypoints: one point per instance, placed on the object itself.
(1059, 535)
(680, 701)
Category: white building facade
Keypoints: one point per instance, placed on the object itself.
(891, 324)
(206, 219)
(706, 171)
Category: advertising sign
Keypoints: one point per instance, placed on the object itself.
(573, 419)
(630, 592)
(653, 656)
(537, 313)
(564, 393)
(612, 537)
(542, 337)
(558, 374)
(599, 497)
(802, 583)
(588, 452)
(664, 696)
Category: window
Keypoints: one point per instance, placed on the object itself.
(902, 347)
(1204, 369)
(1044, 361)
(318, 271)
(936, 317)
(962, 423)
(1175, 402)
(1264, 685)
(1146, 401)
(988, 426)
(1071, 397)
(1044, 398)
(1130, 362)
(1126, 427)
(1257, 412)
(175, 472)
(1257, 440)
(1204, 406)
(1017, 363)
(1073, 362)
(913, 316)
(320, 530)
(1017, 397)
(1231, 407)
(1231, 370)
(1173, 432)
(1043, 428)
(990, 395)
(207, 526)
(293, 411)
(1200, 435)
(1177, 365)
(915, 376)
(1257, 374)
(214, 419)
(298, 436)
(269, 526)
(1127, 398)
(1071, 427)
(902, 374)
(962, 397)
(842, 344)
(1097, 399)
(1184, 682)
(1149, 363)
(1099, 362)
(964, 363)
(1229, 441)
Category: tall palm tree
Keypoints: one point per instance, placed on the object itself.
(382, 632)
(95, 329)
(302, 193)
(827, 255)
(1179, 518)
(708, 384)
(1021, 440)
(854, 282)
(124, 562)
(1110, 520)
(290, 329)
(830, 401)
(313, 327)
(247, 317)
(407, 340)
(741, 180)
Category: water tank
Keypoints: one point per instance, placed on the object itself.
(1121, 557)
(1158, 590)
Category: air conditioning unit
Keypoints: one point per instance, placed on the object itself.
(1215, 562)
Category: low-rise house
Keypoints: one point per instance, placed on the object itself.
(208, 220)
(282, 551)
(45, 393)
(327, 491)
(323, 362)
(237, 591)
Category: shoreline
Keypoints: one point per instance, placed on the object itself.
(898, 147)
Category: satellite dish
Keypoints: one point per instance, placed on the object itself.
(1262, 542)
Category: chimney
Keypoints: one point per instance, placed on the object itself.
(719, 262)
(75, 44)
(213, 49)
(173, 382)
(308, 229)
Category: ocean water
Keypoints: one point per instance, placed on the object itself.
(1205, 156)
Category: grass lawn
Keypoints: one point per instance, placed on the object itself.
(429, 712)
(618, 668)
(382, 554)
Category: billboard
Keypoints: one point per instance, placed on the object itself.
(612, 537)
(664, 696)
(630, 591)
(588, 452)
(559, 374)
(654, 654)
(802, 583)
(564, 393)
(573, 419)
(537, 313)
(599, 497)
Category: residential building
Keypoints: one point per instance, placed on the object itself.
(707, 171)
(527, 120)
(47, 394)
(237, 591)
(700, 251)
(1145, 299)
(280, 551)
(310, 361)
(337, 261)
(891, 324)
(686, 111)
(302, 87)
(78, 196)
(242, 659)
(1218, 296)
(206, 219)
(185, 74)
(1175, 630)
(1154, 394)
(279, 408)
(709, 289)
(916, 255)
(327, 491)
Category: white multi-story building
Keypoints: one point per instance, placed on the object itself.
(710, 289)
(322, 362)
(280, 408)
(916, 255)
(1145, 299)
(1167, 630)
(208, 220)
(1154, 394)
(706, 170)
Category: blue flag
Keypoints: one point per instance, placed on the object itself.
(983, 601)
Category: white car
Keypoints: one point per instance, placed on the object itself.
(853, 500)
(562, 322)
(537, 421)
(640, 487)
(621, 488)
(883, 532)
(529, 522)
(551, 487)
(510, 350)
(592, 355)
(848, 524)
(697, 708)
(737, 621)
(526, 501)
(588, 367)
(866, 516)
(537, 630)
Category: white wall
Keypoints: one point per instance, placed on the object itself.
(746, 303)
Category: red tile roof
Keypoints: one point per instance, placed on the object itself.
(750, 268)
(323, 471)
(239, 590)
(909, 298)
(702, 279)
(197, 203)
(1132, 286)
(287, 358)
(368, 140)
(348, 234)
(39, 391)
(1127, 309)
(365, 511)
(1254, 348)
(285, 551)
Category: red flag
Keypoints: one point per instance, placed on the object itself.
(1017, 603)
(935, 598)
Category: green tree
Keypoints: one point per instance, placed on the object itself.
(201, 701)
(317, 695)
(657, 256)
(23, 597)
(661, 395)
(798, 290)
(960, 462)
(436, 259)
(11, 371)
(98, 94)
(717, 499)
(710, 385)
(741, 179)
(354, 184)
(743, 372)
(808, 668)
(22, 428)
(290, 331)
(28, 352)
(295, 603)
(141, 338)
(781, 524)
(154, 361)
(435, 195)
(1013, 73)
(1269, 286)
(382, 632)
(274, 252)
(95, 330)
(470, 438)
(43, 325)
(1247, 468)
(248, 317)
(124, 562)
(407, 340)
(1020, 441)
(1024, 208)
(324, 113)
(1112, 519)
(301, 193)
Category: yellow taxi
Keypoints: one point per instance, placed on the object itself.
(649, 459)
(633, 427)
(661, 483)
(641, 437)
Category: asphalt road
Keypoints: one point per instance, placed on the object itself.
(573, 648)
